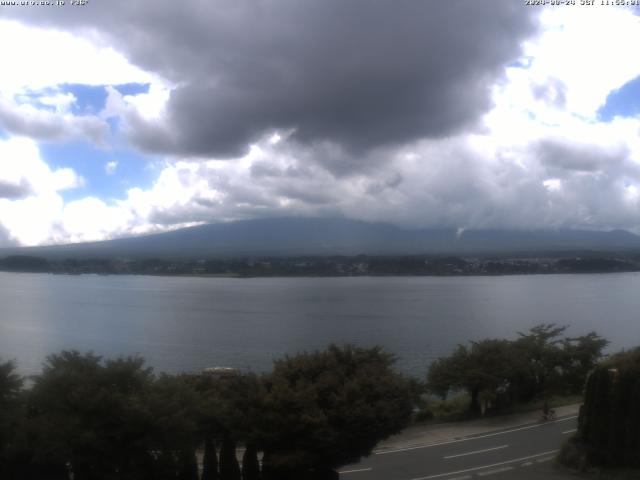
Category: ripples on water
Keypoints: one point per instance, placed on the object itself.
(186, 323)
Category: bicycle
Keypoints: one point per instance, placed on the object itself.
(549, 416)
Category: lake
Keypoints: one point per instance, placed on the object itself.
(188, 323)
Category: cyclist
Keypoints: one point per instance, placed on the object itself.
(547, 413)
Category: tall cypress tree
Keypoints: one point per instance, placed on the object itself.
(610, 418)
(250, 464)
(188, 466)
(229, 468)
(210, 460)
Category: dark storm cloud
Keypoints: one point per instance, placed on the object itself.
(359, 74)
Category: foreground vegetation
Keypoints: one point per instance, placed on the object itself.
(92, 419)
(499, 374)
(100, 419)
(609, 424)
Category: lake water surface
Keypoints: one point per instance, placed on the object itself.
(185, 324)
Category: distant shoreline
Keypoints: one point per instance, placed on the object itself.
(333, 266)
(387, 275)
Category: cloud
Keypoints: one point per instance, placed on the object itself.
(460, 115)
(90, 218)
(552, 91)
(5, 238)
(29, 198)
(44, 125)
(35, 58)
(11, 189)
(110, 167)
(22, 167)
(464, 181)
(570, 156)
(36, 62)
(355, 74)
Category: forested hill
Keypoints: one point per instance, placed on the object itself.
(312, 236)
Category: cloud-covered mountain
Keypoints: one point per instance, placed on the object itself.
(312, 236)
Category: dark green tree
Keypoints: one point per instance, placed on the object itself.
(210, 459)
(187, 465)
(92, 415)
(329, 408)
(229, 468)
(542, 348)
(447, 373)
(483, 369)
(10, 416)
(250, 463)
(538, 363)
(173, 406)
(231, 407)
(581, 355)
(609, 422)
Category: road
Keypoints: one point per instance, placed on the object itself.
(517, 452)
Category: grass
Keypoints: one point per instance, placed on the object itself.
(554, 402)
(456, 408)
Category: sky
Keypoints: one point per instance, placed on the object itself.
(120, 118)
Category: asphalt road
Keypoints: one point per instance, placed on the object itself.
(519, 452)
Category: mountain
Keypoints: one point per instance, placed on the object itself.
(313, 236)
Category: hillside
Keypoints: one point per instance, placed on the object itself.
(308, 236)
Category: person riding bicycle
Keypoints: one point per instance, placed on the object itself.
(547, 413)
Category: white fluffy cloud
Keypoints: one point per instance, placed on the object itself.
(36, 58)
(37, 62)
(30, 202)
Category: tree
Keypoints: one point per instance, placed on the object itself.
(210, 459)
(482, 370)
(187, 465)
(327, 409)
(541, 346)
(250, 464)
(582, 354)
(609, 422)
(446, 373)
(538, 363)
(173, 406)
(229, 468)
(10, 414)
(231, 404)
(92, 415)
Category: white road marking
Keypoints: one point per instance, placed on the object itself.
(528, 427)
(485, 466)
(476, 451)
(355, 471)
(497, 470)
(569, 431)
(540, 460)
(526, 464)
(466, 477)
